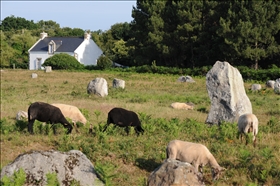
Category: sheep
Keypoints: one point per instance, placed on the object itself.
(71, 112)
(124, 118)
(45, 112)
(194, 153)
(185, 106)
(248, 123)
(21, 114)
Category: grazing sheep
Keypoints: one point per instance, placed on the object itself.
(248, 123)
(186, 106)
(45, 112)
(124, 118)
(194, 153)
(71, 112)
(21, 114)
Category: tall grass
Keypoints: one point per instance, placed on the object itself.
(128, 160)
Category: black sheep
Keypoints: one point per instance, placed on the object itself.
(124, 118)
(45, 112)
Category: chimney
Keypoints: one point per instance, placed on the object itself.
(86, 36)
(43, 35)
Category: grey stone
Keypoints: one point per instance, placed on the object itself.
(256, 87)
(227, 94)
(98, 86)
(277, 86)
(68, 166)
(118, 83)
(48, 69)
(187, 79)
(270, 84)
(34, 75)
(174, 172)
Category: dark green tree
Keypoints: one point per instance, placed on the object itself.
(249, 29)
(63, 61)
(17, 23)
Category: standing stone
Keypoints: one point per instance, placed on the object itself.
(34, 75)
(187, 79)
(118, 83)
(48, 69)
(277, 86)
(256, 87)
(270, 84)
(227, 94)
(68, 166)
(173, 172)
(98, 86)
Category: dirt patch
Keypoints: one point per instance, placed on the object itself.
(9, 151)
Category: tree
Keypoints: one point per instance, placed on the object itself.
(249, 29)
(7, 52)
(17, 23)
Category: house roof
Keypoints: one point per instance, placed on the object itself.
(64, 44)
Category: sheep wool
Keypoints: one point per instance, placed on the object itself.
(185, 106)
(71, 112)
(248, 123)
(194, 153)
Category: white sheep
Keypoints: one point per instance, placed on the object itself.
(186, 106)
(196, 154)
(248, 123)
(71, 112)
(21, 114)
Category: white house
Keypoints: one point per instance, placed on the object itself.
(84, 49)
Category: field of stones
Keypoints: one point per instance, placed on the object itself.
(129, 160)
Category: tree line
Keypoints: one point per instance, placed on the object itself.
(170, 33)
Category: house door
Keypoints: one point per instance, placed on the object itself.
(38, 63)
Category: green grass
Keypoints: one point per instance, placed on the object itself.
(129, 159)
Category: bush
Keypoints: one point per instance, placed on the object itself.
(63, 62)
(104, 62)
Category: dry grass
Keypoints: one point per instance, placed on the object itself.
(149, 94)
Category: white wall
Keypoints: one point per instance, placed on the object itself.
(33, 59)
(88, 52)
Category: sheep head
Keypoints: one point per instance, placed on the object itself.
(216, 172)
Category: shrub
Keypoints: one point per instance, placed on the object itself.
(104, 62)
(63, 62)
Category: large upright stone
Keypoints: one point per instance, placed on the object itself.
(227, 93)
(98, 86)
(68, 166)
(277, 86)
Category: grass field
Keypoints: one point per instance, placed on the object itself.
(128, 160)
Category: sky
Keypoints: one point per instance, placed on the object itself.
(86, 15)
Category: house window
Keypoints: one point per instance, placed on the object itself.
(76, 56)
(52, 47)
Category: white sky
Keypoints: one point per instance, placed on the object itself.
(86, 15)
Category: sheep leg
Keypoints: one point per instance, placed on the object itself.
(200, 168)
(30, 126)
(53, 128)
(76, 128)
(196, 166)
(105, 127)
(255, 142)
(127, 130)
